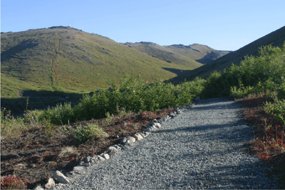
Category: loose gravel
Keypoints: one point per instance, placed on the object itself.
(204, 147)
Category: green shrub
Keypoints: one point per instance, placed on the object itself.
(33, 116)
(60, 114)
(276, 109)
(83, 133)
(11, 127)
(241, 92)
(265, 72)
(132, 95)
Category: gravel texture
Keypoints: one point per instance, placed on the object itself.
(204, 147)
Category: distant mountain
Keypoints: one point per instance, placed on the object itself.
(276, 38)
(201, 53)
(178, 53)
(163, 53)
(67, 59)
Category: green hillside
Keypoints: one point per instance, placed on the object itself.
(275, 38)
(68, 59)
(191, 55)
(201, 53)
(164, 53)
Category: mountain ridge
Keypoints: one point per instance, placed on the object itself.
(179, 53)
(69, 59)
(275, 38)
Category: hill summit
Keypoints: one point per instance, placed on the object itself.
(68, 59)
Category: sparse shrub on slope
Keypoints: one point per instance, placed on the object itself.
(132, 95)
(83, 133)
(265, 73)
(11, 127)
(60, 114)
(276, 109)
(241, 92)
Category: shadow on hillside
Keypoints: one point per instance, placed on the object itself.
(181, 75)
(10, 53)
(32, 99)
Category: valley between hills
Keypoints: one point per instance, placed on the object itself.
(72, 100)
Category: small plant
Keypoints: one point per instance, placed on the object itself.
(33, 117)
(61, 114)
(241, 92)
(12, 182)
(83, 133)
(276, 109)
(11, 127)
(109, 118)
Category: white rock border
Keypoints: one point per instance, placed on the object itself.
(154, 125)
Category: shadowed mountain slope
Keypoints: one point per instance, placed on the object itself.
(276, 38)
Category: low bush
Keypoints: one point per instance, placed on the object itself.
(132, 95)
(241, 92)
(11, 127)
(276, 109)
(83, 133)
(265, 73)
(60, 114)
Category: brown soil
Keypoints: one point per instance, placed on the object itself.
(40, 150)
(269, 143)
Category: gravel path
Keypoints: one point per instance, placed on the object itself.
(203, 147)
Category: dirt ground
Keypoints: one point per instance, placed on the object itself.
(42, 149)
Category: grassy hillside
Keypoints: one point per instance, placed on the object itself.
(164, 53)
(275, 38)
(192, 55)
(67, 59)
(201, 53)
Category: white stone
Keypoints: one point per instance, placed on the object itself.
(59, 177)
(117, 147)
(112, 150)
(50, 184)
(95, 159)
(106, 156)
(130, 140)
(79, 169)
(138, 137)
(157, 125)
(39, 187)
(124, 140)
(101, 158)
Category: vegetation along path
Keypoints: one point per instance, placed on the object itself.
(203, 147)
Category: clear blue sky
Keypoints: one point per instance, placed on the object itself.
(221, 24)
